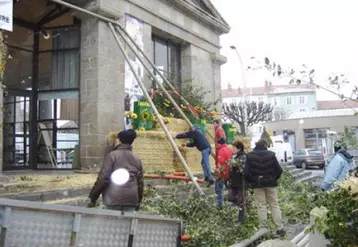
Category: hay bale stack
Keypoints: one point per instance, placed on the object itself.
(156, 153)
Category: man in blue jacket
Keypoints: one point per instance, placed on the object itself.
(338, 167)
(202, 144)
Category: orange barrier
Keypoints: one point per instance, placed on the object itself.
(183, 178)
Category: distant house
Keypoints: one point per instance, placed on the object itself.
(286, 99)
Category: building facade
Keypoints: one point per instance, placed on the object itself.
(315, 129)
(66, 79)
(285, 99)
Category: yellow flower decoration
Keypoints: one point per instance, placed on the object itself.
(166, 121)
(134, 116)
(145, 115)
(2, 68)
(127, 113)
(213, 114)
(141, 129)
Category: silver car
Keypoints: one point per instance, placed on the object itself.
(308, 157)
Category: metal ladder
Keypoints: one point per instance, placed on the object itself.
(120, 33)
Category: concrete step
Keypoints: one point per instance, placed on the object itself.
(296, 171)
(315, 179)
(301, 175)
(290, 167)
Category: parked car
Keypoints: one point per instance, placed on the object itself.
(305, 158)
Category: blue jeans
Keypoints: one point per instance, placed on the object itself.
(205, 163)
(219, 186)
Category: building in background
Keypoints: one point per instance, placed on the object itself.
(285, 99)
(336, 104)
(66, 79)
(315, 129)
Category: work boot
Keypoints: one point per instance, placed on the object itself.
(210, 182)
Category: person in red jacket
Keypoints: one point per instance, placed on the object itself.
(219, 133)
(222, 169)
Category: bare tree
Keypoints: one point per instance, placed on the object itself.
(256, 112)
(279, 114)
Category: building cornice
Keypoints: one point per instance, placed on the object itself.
(219, 23)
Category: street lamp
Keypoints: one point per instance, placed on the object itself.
(244, 86)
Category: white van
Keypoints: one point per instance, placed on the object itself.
(283, 151)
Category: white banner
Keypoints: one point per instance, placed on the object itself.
(132, 90)
(6, 14)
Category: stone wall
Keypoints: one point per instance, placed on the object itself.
(101, 89)
(102, 68)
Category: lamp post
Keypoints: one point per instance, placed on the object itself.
(244, 87)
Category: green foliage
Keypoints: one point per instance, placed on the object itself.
(205, 223)
(211, 227)
(265, 135)
(297, 199)
(340, 224)
(347, 138)
(194, 94)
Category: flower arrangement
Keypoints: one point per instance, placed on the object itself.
(145, 114)
(166, 120)
(130, 116)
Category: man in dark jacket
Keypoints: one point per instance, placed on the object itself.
(123, 197)
(236, 178)
(202, 144)
(262, 172)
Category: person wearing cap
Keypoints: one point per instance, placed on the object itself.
(123, 197)
(203, 145)
(338, 167)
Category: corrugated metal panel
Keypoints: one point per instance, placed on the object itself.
(30, 224)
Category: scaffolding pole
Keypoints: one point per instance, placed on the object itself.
(110, 23)
(162, 124)
(120, 31)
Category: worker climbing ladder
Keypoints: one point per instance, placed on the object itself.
(120, 33)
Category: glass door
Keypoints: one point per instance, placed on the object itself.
(16, 135)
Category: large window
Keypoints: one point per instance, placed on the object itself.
(288, 101)
(167, 58)
(58, 106)
(316, 138)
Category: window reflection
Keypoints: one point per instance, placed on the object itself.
(167, 58)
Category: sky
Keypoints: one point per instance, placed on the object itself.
(322, 34)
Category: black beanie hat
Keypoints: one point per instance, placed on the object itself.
(127, 136)
(222, 141)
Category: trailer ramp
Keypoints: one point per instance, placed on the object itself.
(33, 224)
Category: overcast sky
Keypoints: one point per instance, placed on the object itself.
(323, 34)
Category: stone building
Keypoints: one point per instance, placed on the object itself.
(66, 80)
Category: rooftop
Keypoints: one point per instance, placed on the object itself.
(267, 90)
(324, 113)
(336, 104)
